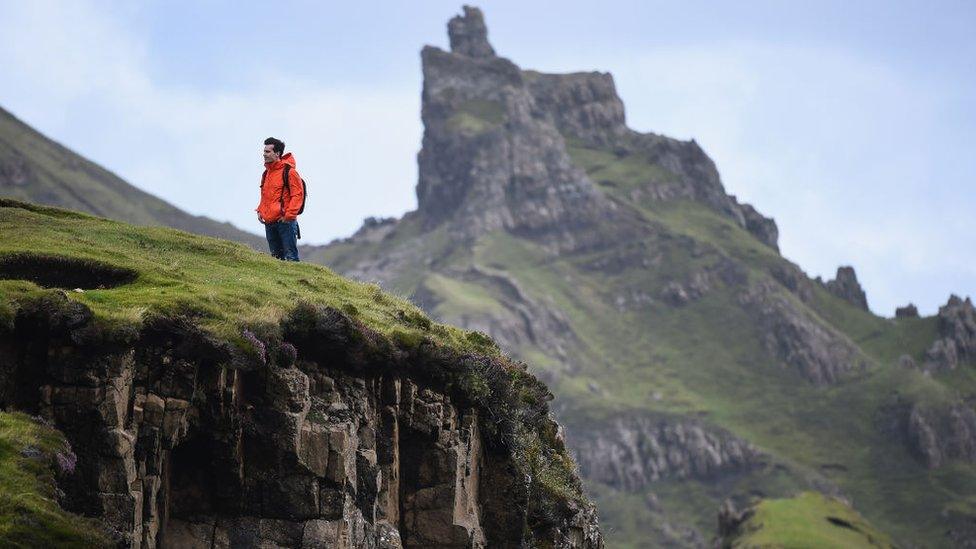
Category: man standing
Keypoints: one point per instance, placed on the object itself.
(282, 199)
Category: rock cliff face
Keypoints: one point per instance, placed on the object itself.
(328, 438)
(818, 351)
(487, 163)
(494, 150)
(936, 434)
(629, 453)
(846, 287)
(957, 336)
(523, 321)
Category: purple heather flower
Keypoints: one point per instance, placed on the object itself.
(289, 352)
(256, 343)
(67, 460)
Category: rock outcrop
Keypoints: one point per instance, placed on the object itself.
(731, 518)
(585, 107)
(328, 435)
(495, 156)
(935, 434)
(629, 453)
(845, 286)
(788, 332)
(469, 35)
(521, 321)
(956, 344)
(793, 279)
(908, 311)
(487, 162)
(695, 285)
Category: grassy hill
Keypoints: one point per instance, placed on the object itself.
(808, 520)
(37, 169)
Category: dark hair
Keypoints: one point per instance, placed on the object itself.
(279, 145)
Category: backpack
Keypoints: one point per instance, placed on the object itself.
(304, 188)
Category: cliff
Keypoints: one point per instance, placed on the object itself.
(215, 397)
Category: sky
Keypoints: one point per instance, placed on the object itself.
(850, 123)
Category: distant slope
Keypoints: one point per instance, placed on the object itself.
(37, 169)
(807, 521)
(691, 361)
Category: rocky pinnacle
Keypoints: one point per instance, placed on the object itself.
(469, 35)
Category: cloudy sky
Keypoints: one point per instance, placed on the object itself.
(851, 123)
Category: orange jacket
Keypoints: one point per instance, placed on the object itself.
(277, 203)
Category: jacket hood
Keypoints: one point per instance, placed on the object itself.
(286, 159)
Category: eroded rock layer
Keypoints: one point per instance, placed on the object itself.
(630, 453)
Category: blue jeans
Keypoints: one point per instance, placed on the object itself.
(283, 239)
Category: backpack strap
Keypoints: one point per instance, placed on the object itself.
(285, 173)
(284, 177)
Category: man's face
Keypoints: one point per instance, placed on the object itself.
(269, 154)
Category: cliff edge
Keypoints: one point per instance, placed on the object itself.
(217, 398)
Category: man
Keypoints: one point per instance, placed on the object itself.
(280, 203)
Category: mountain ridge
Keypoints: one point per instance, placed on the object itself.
(38, 169)
(691, 361)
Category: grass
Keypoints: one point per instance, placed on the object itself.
(476, 116)
(808, 521)
(460, 298)
(225, 286)
(29, 513)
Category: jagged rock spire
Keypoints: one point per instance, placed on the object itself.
(846, 287)
(469, 35)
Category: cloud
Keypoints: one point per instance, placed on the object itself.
(81, 73)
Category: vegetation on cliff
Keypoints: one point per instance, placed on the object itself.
(62, 269)
(32, 455)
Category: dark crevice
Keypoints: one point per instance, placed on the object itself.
(836, 521)
(52, 271)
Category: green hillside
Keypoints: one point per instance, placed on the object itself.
(809, 521)
(36, 169)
